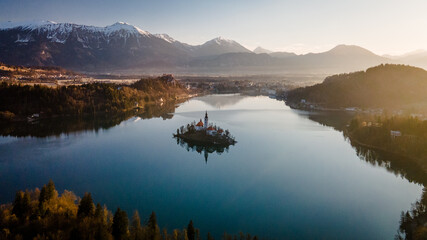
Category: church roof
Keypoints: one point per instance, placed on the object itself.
(211, 128)
(199, 124)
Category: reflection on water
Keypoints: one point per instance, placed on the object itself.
(66, 125)
(201, 149)
(413, 221)
(397, 165)
(222, 100)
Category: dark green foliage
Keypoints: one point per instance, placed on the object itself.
(384, 86)
(86, 206)
(22, 204)
(98, 211)
(120, 225)
(57, 126)
(90, 98)
(153, 230)
(47, 193)
(376, 132)
(413, 223)
(191, 232)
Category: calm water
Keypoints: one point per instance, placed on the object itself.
(287, 177)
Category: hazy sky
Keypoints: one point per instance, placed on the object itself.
(383, 26)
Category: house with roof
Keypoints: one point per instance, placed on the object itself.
(211, 130)
(199, 125)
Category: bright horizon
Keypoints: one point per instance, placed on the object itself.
(383, 27)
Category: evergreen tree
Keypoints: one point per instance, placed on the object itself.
(86, 206)
(21, 205)
(99, 212)
(17, 208)
(153, 230)
(120, 225)
(47, 193)
(50, 190)
(191, 231)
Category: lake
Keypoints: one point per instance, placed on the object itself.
(290, 175)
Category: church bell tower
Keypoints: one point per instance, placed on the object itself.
(206, 119)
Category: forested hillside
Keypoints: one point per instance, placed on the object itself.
(18, 100)
(384, 86)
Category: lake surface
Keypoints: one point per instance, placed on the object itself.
(287, 177)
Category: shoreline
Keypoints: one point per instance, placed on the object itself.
(20, 118)
(347, 134)
(377, 148)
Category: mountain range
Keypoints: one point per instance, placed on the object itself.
(124, 47)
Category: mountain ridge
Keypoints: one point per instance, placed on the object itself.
(124, 47)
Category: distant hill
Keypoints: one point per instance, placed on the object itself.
(235, 60)
(416, 58)
(218, 46)
(282, 54)
(383, 86)
(259, 50)
(343, 58)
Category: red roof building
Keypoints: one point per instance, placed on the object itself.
(199, 124)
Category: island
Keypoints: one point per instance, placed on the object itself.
(204, 137)
(203, 133)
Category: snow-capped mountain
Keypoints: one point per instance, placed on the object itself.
(218, 46)
(120, 45)
(60, 32)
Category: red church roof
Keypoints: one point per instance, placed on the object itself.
(199, 124)
(210, 128)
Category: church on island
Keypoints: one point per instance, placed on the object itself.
(204, 133)
(204, 126)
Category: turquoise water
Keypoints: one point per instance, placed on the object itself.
(287, 177)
